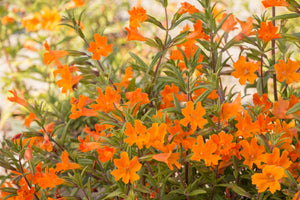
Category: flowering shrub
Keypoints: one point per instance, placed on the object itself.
(169, 128)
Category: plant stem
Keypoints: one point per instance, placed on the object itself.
(273, 57)
(182, 182)
(164, 47)
(26, 180)
(213, 62)
(128, 188)
(262, 72)
(101, 168)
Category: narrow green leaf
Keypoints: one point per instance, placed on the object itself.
(293, 109)
(197, 192)
(286, 16)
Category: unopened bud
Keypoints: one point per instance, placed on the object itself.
(28, 155)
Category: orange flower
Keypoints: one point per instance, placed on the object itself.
(156, 135)
(168, 157)
(182, 137)
(267, 32)
(137, 15)
(198, 32)
(205, 152)
(212, 95)
(193, 117)
(279, 109)
(269, 178)
(253, 153)
(270, 3)
(167, 96)
(31, 22)
(7, 20)
(133, 34)
(126, 169)
(106, 154)
(264, 124)
(24, 193)
(274, 158)
(231, 109)
(287, 71)
(296, 196)
(17, 99)
(74, 4)
(186, 7)
(4, 194)
(99, 131)
(224, 145)
(99, 47)
(51, 56)
(30, 45)
(29, 119)
(229, 24)
(135, 135)
(50, 19)
(66, 165)
(125, 81)
(189, 48)
(247, 29)
(67, 81)
(245, 126)
(107, 102)
(137, 98)
(85, 145)
(48, 179)
(262, 102)
(78, 107)
(46, 144)
(244, 70)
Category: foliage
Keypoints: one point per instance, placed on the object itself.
(162, 124)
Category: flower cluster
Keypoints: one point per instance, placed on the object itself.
(167, 125)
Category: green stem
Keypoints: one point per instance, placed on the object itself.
(164, 47)
(26, 180)
(181, 181)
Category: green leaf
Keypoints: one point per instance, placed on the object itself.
(116, 193)
(155, 22)
(142, 188)
(131, 85)
(293, 109)
(138, 60)
(241, 191)
(197, 192)
(286, 16)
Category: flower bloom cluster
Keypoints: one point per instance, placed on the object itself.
(166, 128)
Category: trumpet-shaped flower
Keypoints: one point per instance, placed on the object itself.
(126, 169)
(205, 152)
(244, 71)
(136, 135)
(66, 165)
(287, 71)
(270, 3)
(187, 8)
(268, 32)
(17, 99)
(99, 47)
(137, 14)
(269, 178)
(192, 116)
